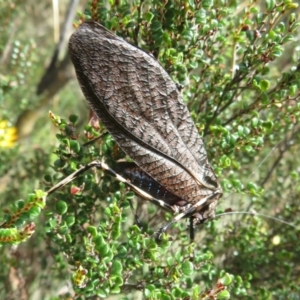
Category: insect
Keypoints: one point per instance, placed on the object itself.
(142, 108)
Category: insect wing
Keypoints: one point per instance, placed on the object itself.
(142, 108)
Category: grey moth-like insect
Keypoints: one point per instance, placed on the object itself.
(142, 109)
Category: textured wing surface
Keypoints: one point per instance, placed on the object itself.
(142, 108)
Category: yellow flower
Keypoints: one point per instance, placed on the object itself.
(8, 135)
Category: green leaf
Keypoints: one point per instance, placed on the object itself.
(33, 212)
(59, 163)
(115, 290)
(270, 4)
(73, 119)
(193, 65)
(149, 16)
(237, 184)
(63, 229)
(116, 268)
(288, 38)
(92, 230)
(99, 241)
(187, 268)
(224, 161)
(293, 90)
(70, 220)
(116, 230)
(177, 292)
(170, 261)
(156, 25)
(226, 279)
(200, 16)
(223, 295)
(61, 207)
(268, 124)
(264, 85)
(75, 146)
(102, 293)
(19, 204)
(291, 5)
(207, 3)
(277, 51)
(255, 122)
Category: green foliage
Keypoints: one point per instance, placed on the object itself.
(239, 68)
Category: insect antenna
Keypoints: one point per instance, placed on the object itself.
(254, 214)
(286, 144)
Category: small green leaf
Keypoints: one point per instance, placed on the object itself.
(150, 288)
(118, 280)
(73, 119)
(249, 148)
(69, 238)
(52, 223)
(200, 16)
(270, 4)
(255, 122)
(252, 186)
(294, 26)
(177, 292)
(193, 65)
(277, 51)
(268, 124)
(101, 293)
(187, 268)
(70, 220)
(237, 184)
(291, 5)
(103, 250)
(207, 3)
(254, 10)
(116, 268)
(293, 90)
(164, 296)
(99, 241)
(61, 207)
(156, 25)
(59, 163)
(223, 295)
(75, 146)
(34, 212)
(226, 279)
(63, 229)
(92, 230)
(264, 85)
(116, 231)
(149, 16)
(224, 161)
(19, 204)
(114, 22)
(108, 211)
(115, 290)
(170, 261)
(288, 38)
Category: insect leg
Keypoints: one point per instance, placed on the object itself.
(71, 177)
(189, 211)
(192, 229)
(136, 217)
(105, 167)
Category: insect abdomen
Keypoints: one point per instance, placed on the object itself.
(146, 183)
